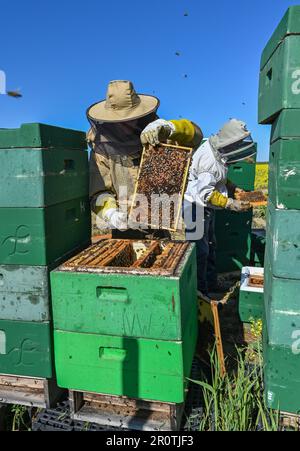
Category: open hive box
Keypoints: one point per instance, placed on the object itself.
(251, 300)
(129, 257)
(160, 187)
(125, 319)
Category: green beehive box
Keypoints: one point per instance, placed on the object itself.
(280, 76)
(282, 375)
(283, 242)
(251, 299)
(242, 174)
(41, 136)
(233, 240)
(25, 348)
(228, 222)
(134, 367)
(233, 231)
(24, 293)
(43, 236)
(282, 308)
(284, 174)
(286, 126)
(130, 305)
(33, 177)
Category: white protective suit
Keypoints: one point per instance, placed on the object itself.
(208, 173)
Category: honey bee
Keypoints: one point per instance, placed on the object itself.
(16, 94)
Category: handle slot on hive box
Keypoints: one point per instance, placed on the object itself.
(69, 165)
(112, 294)
(160, 187)
(113, 354)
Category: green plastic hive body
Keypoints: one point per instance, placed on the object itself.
(286, 126)
(41, 136)
(289, 25)
(143, 306)
(242, 174)
(42, 177)
(42, 236)
(42, 165)
(282, 374)
(24, 293)
(125, 327)
(282, 310)
(284, 167)
(251, 299)
(25, 348)
(279, 86)
(284, 174)
(283, 242)
(134, 367)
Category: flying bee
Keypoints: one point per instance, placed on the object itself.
(16, 94)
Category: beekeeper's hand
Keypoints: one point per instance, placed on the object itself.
(116, 219)
(157, 132)
(237, 192)
(237, 205)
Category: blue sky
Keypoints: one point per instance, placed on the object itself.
(63, 53)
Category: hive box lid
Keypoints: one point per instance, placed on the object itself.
(286, 126)
(41, 136)
(290, 24)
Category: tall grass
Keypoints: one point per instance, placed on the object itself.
(236, 402)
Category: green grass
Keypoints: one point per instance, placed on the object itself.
(236, 402)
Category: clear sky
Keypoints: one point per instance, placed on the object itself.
(62, 54)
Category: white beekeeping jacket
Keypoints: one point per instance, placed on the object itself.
(208, 172)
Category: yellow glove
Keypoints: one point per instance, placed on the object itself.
(184, 131)
(218, 200)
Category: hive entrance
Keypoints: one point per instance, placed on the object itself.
(129, 256)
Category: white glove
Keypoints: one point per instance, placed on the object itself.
(157, 132)
(117, 219)
(237, 205)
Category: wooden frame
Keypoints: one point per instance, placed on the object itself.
(182, 188)
(29, 391)
(127, 413)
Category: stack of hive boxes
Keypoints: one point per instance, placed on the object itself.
(279, 105)
(44, 217)
(123, 327)
(233, 230)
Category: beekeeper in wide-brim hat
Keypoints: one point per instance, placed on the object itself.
(115, 137)
(122, 103)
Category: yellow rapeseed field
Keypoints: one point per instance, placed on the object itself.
(261, 178)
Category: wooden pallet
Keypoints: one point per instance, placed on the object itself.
(289, 421)
(29, 391)
(127, 413)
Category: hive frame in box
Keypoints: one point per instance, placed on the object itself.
(182, 252)
(182, 188)
(127, 413)
(29, 391)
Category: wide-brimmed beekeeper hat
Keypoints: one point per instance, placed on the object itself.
(122, 103)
